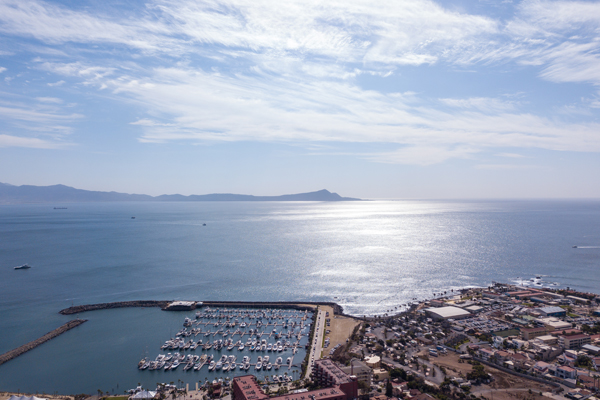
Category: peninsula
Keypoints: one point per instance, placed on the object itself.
(10, 194)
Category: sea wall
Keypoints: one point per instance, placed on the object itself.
(119, 304)
(33, 344)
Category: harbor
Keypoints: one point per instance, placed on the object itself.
(270, 343)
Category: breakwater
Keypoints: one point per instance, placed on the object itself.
(33, 344)
(297, 305)
(120, 304)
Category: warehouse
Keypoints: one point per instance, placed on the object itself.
(450, 312)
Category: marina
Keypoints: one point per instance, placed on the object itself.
(228, 341)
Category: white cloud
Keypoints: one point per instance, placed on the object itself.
(423, 154)
(288, 71)
(484, 104)
(510, 155)
(44, 120)
(2, 69)
(191, 105)
(52, 100)
(37, 143)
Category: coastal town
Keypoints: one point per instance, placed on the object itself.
(500, 342)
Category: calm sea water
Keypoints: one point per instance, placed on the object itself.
(367, 256)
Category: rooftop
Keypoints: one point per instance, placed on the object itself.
(339, 376)
(448, 312)
(551, 310)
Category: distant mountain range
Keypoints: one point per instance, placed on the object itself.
(10, 194)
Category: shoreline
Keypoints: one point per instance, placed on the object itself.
(415, 305)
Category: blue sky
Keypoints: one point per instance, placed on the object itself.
(388, 99)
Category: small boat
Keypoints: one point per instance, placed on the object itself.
(24, 266)
(574, 247)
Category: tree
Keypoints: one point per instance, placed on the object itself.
(478, 373)
(389, 389)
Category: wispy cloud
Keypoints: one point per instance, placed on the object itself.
(52, 100)
(36, 143)
(510, 155)
(290, 72)
(505, 167)
(484, 104)
(42, 125)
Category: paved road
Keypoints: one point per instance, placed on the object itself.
(317, 344)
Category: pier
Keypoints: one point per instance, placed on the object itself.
(33, 344)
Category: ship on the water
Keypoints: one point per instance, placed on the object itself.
(24, 266)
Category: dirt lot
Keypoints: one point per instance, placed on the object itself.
(506, 386)
(341, 328)
(510, 394)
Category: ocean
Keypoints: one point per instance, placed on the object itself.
(370, 257)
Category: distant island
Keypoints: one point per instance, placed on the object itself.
(10, 194)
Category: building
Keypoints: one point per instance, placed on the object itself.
(554, 324)
(574, 341)
(449, 312)
(566, 372)
(181, 306)
(246, 388)
(485, 353)
(373, 361)
(475, 309)
(547, 339)
(327, 374)
(552, 311)
(531, 333)
(361, 370)
(593, 350)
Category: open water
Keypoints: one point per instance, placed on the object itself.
(370, 257)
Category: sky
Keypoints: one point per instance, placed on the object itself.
(386, 99)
